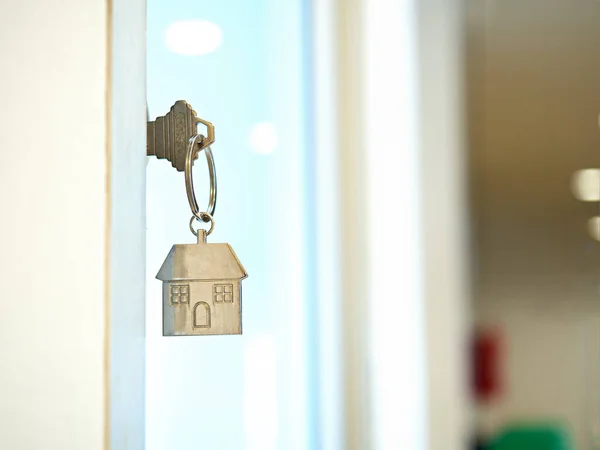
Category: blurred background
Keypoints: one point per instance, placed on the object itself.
(533, 127)
(412, 188)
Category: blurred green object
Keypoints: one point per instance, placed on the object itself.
(532, 437)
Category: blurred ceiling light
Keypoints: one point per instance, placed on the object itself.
(594, 227)
(263, 138)
(193, 37)
(586, 185)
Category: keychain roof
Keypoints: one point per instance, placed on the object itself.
(201, 262)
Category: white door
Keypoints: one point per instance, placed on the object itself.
(72, 255)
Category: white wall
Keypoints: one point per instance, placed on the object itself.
(56, 229)
(396, 127)
(417, 262)
(444, 228)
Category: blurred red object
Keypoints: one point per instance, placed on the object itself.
(486, 364)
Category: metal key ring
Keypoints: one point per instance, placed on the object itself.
(192, 151)
(210, 230)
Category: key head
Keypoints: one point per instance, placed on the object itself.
(168, 136)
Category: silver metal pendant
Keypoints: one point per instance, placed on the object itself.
(202, 289)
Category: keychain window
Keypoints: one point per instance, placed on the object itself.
(223, 292)
(180, 293)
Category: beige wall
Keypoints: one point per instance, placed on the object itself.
(60, 231)
(534, 89)
(53, 240)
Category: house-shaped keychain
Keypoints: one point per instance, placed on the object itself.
(202, 292)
